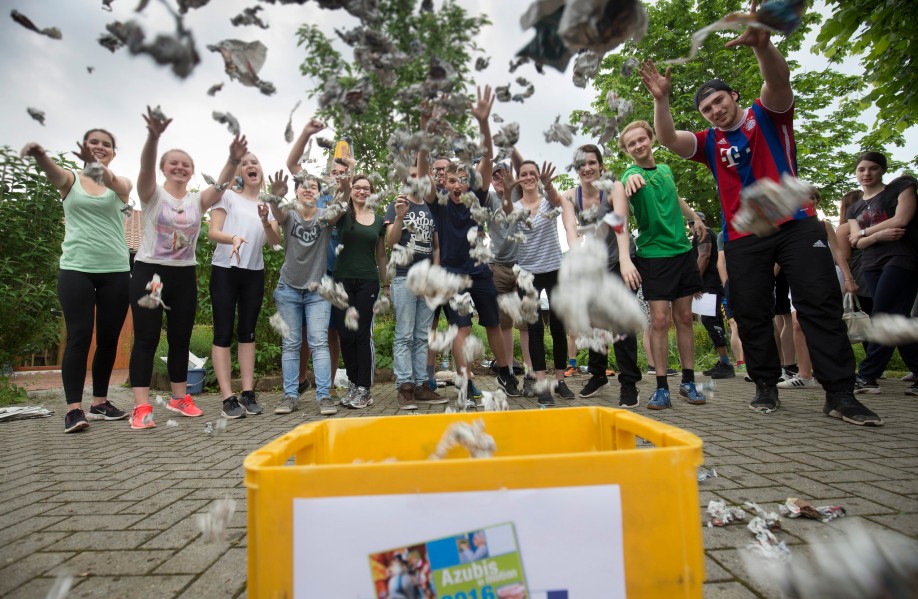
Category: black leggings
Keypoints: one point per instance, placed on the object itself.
(229, 287)
(893, 292)
(547, 281)
(180, 293)
(357, 346)
(85, 297)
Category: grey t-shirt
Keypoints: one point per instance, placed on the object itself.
(504, 250)
(424, 228)
(306, 249)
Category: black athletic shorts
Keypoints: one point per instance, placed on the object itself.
(484, 297)
(668, 279)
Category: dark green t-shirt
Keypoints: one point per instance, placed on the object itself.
(357, 259)
(660, 224)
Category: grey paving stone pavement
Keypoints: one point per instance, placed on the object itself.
(115, 508)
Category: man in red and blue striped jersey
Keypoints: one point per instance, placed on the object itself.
(745, 145)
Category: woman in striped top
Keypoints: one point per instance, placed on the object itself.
(540, 254)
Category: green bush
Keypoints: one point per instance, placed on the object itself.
(32, 230)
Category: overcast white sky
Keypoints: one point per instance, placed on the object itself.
(51, 76)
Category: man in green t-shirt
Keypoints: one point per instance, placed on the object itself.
(664, 266)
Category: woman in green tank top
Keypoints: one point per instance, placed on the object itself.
(95, 271)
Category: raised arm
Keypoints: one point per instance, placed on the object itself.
(62, 179)
(547, 177)
(299, 146)
(278, 186)
(777, 94)
(120, 185)
(481, 110)
(237, 150)
(146, 179)
(659, 86)
(272, 236)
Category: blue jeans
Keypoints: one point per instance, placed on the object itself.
(296, 307)
(412, 321)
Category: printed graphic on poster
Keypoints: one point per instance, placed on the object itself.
(479, 564)
(552, 543)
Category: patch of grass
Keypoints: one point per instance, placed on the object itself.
(11, 393)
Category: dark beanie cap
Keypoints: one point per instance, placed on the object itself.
(876, 157)
(712, 86)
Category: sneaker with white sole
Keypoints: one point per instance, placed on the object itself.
(105, 411)
(865, 385)
(798, 382)
(74, 421)
(327, 407)
(287, 405)
(362, 399)
(232, 409)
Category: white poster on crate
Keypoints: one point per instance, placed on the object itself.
(555, 543)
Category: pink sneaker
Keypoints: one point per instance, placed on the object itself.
(142, 417)
(184, 406)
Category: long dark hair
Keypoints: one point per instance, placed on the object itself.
(350, 202)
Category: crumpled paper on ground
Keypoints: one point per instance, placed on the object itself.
(795, 507)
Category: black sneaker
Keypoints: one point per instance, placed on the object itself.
(105, 411)
(509, 385)
(842, 404)
(74, 421)
(249, 401)
(527, 386)
(562, 389)
(721, 370)
(232, 409)
(766, 399)
(593, 386)
(863, 385)
(628, 397)
(303, 387)
(913, 390)
(546, 400)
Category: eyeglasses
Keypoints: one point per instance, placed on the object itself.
(362, 189)
(438, 170)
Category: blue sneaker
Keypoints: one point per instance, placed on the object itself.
(473, 395)
(660, 400)
(691, 394)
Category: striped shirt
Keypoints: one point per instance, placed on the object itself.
(542, 251)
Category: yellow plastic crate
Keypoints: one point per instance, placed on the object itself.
(661, 518)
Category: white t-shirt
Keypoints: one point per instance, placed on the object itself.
(170, 229)
(241, 219)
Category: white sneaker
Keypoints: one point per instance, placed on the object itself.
(798, 382)
(909, 378)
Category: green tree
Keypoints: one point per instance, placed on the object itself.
(880, 34)
(31, 230)
(448, 34)
(826, 105)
